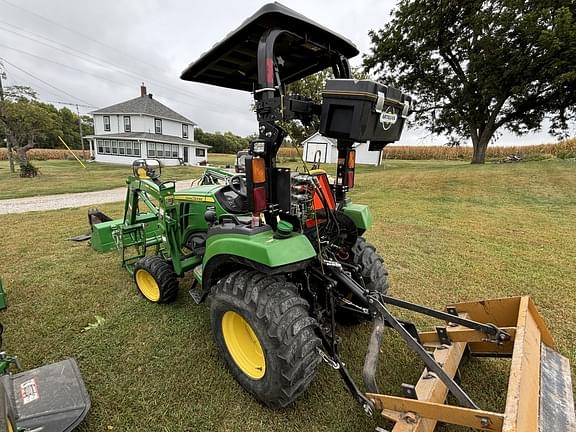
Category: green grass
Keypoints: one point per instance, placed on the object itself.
(449, 231)
(59, 176)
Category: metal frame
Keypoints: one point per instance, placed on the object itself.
(509, 327)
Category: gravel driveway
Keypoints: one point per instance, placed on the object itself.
(69, 200)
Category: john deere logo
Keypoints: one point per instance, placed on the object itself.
(388, 118)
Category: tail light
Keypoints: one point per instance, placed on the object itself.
(256, 184)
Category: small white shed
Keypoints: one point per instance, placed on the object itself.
(318, 148)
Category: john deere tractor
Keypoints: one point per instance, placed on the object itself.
(282, 257)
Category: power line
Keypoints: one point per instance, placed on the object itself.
(21, 80)
(44, 82)
(95, 75)
(61, 64)
(102, 62)
(79, 33)
(72, 104)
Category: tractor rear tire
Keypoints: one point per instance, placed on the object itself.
(263, 330)
(374, 275)
(155, 279)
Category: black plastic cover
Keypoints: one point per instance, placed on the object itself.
(50, 398)
(363, 110)
(232, 63)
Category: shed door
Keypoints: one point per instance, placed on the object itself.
(316, 152)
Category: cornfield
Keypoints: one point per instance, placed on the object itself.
(562, 150)
(46, 154)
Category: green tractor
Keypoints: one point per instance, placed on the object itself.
(281, 254)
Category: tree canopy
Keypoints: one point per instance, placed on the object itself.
(226, 142)
(478, 66)
(64, 124)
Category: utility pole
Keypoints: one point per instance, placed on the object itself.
(81, 136)
(8, 142)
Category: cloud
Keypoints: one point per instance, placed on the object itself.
(120, 44)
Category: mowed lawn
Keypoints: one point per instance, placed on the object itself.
(449, 232)
(60, 176)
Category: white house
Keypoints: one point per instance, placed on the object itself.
(144, 128)
(318, 148)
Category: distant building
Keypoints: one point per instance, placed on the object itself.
(144, 128)
(318, 148)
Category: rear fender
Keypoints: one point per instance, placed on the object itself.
(227, 252)
(360, 215)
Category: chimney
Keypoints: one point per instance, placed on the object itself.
(142, 90)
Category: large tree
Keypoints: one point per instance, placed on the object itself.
(25, 121)
(478, 66)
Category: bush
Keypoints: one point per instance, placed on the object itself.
(28, 170)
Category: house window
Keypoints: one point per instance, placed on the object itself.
(100, 146)
(174, 150)
(158, 126)
(127, 124)
(106, 123)
(121, 147)
(151, 149)
(106, 147)
(159, 150)
(136, 148)
(200, 152)
(128, 145)
(114, 147)
(184, 131)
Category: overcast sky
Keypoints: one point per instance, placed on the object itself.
(97, 53)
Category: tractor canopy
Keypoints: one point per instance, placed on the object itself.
(304, 48)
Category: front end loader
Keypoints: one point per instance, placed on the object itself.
(282, 257)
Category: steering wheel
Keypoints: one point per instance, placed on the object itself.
(238, 184)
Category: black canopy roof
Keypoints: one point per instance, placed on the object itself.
(232, 62)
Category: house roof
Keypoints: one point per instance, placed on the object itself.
(150, 137)
(317, 136)
(146, 105)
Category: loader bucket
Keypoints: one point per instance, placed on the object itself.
(539, 396)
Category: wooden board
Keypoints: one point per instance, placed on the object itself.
(432, 412)
(431, 389)
(522, 402)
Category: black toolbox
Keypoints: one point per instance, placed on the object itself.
(363, 110)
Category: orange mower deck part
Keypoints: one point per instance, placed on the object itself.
(539, 396)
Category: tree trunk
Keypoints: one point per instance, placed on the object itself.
(22, 154)
(480, 143)
(479, 153)
(9, 147)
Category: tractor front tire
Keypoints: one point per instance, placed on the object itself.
(263, 330)
(374, 275)
(155, 279)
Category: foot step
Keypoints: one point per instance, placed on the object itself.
(197, 295)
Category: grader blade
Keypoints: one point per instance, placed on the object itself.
(539, 395)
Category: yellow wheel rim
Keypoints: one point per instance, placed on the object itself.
(243, 345)
(147, 285)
